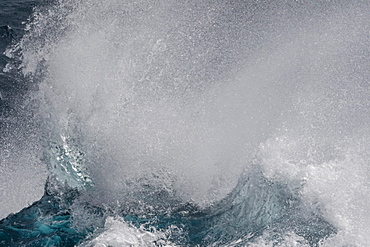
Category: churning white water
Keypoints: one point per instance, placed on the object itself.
(182, 95)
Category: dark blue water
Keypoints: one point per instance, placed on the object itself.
(203, 124)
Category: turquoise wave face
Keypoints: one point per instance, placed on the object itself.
(255, 205)
(47, 222)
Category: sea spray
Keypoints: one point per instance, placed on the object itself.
(166, 103)
(139, 95)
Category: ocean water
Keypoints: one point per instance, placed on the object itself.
(184, 123)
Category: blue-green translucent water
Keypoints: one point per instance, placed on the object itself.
(254, 206)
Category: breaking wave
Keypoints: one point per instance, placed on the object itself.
(169, 123)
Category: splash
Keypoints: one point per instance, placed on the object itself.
(151, 110)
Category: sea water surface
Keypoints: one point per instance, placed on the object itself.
(184, 123)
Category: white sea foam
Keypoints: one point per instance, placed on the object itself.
(333, 174)
(118, 233)
(290, 239)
